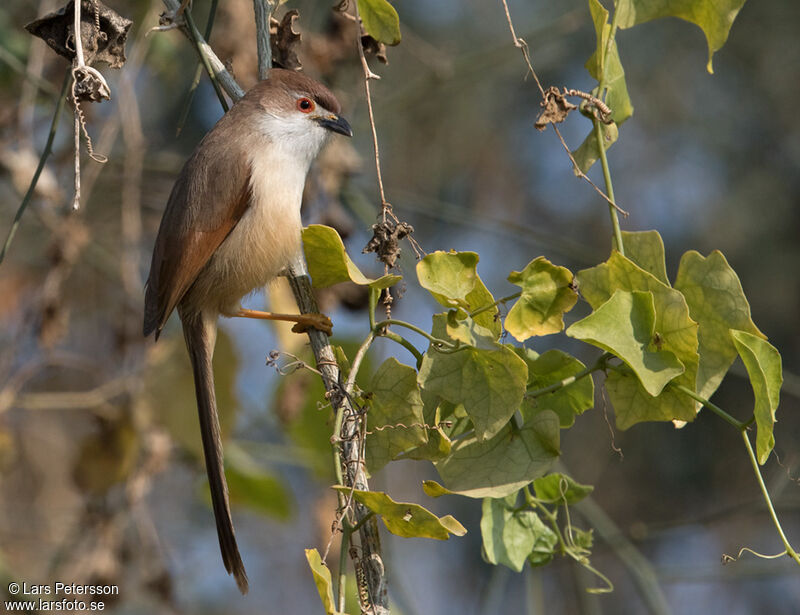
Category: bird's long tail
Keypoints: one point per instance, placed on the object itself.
(200, 333)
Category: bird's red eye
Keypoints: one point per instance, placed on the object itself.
(305, 105)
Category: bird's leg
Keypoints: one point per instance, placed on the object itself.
(304, 322)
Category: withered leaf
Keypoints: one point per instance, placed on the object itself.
(385, 240)
(285, 41)
(373, 47)
(556, 108)
(107, 45)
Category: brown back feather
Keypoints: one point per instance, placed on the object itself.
(212, 193)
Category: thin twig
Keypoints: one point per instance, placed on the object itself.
(198, 71)
(523, 46)
(76, 197)
(368, 76)
(48, 148)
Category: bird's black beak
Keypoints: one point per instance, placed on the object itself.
(336, 123)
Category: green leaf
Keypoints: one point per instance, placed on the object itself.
(380, 21)
(329, 263)
(544, 546)
(406, 519)
(558, 488)
(488, 381)
(605, 62)
(466, 331)
(625, 326)
(252, 486)
(588, 153)
(717, 302)
(500, 466)
(479, 297)
(763, 363)
(395, 415)
(677, 333)
(568, 401)
(583, 539)
(322, 579)
(646, 249)
(547, 293)
(449, 277)
(453, 280)
(714, 17)
(509, 535)
(437, 447)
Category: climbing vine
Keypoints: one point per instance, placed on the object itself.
(489, 413)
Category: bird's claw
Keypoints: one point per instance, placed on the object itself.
(314, 321)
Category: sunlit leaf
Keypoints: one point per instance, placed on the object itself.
(509, 535)
(323, 581)
(465, 330)
(714, 17)
(605, 61)
(557, 488)
(479, 297)
(763, 363)
(395, 414)
(380, 21)
(547, 293)
(646, 249)
(329, 263)
(677, 333)
(717, 302)
(406, 519)
(625, 326)
(501, 466)
(449, 277)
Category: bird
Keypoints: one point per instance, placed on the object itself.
(231, 225)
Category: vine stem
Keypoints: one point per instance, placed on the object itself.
(742, 428)
(612, 210)
(754, 462)
(48, 149)
(601, 146)
(368, 76)
(520, 44)
(503, 300)
(599, 365)
(713, 407)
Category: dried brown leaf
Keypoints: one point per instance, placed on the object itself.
(106, 45)
(556, 108)
(284, 41)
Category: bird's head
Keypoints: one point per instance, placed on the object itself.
(296, 113)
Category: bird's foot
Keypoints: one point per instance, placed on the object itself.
(303, 322)
(313, 321)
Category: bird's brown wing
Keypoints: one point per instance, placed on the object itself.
(209, 197)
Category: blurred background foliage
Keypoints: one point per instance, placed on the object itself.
(101, 478)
